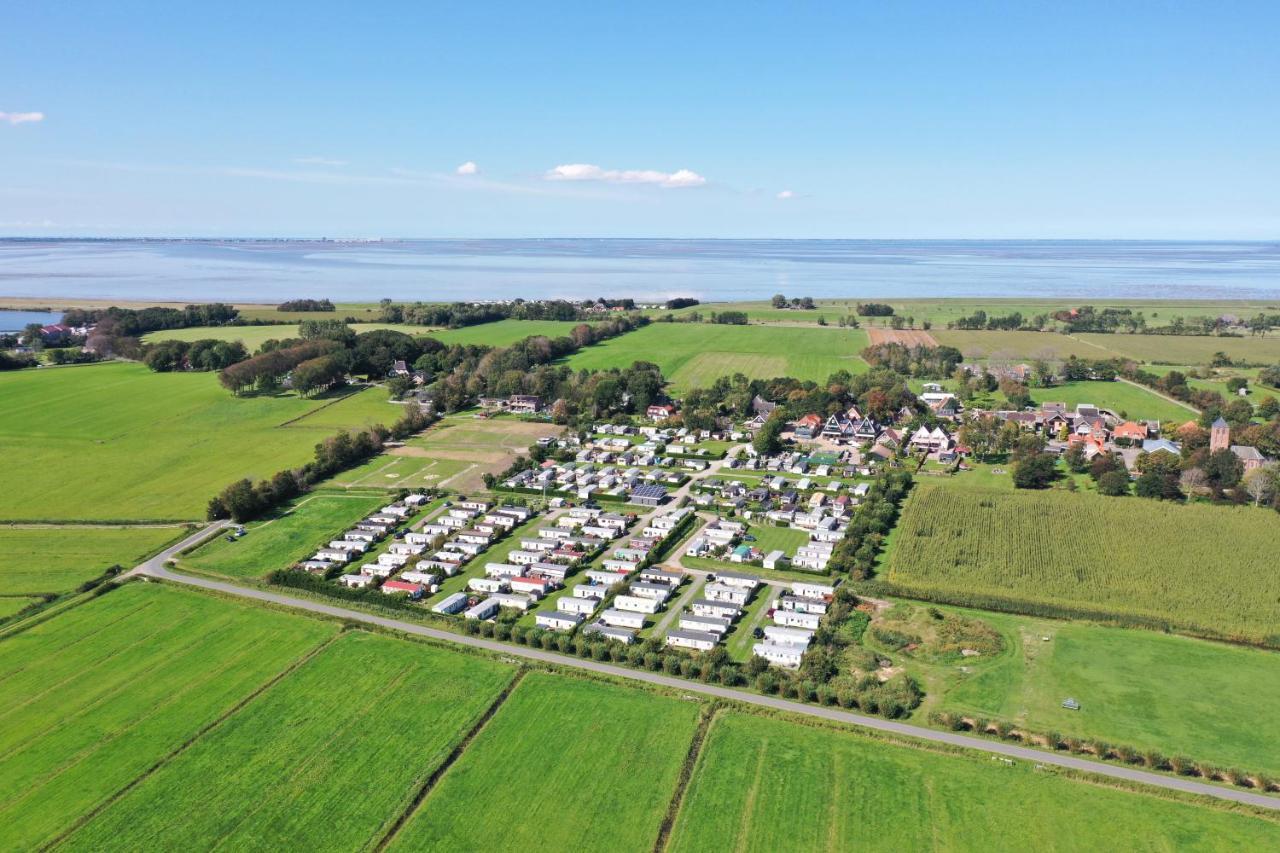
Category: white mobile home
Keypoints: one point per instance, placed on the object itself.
(699, 640)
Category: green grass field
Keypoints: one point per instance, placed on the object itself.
(308, 765)
(1019, 346)
(1185, 349)
(279, 542)
(696, 354)
(566, 764)
(1131, 401)
(1174, 694)
(504, 332)
(765, 784)
(1211, 569)
(91, 699)
(56, 559)
(118, 442)
(254, 336)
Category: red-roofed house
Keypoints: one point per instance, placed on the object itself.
(809, 426)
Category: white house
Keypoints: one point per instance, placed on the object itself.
(585, 606)
(809, 589)
(707, 624)
(791, 636)
(797, 619)
(724, 592)
(658, 591)
(817, 606)
(503, 570)
(637, 604)
(721, 609)
(484, 610)
(738, 579)
(622, 618)
(509, 599)
(699, 640)
(356, 581)
(452, 604)
(558, 620)
(490, 585)
(779, 654)
(775, 559)
(590, 590)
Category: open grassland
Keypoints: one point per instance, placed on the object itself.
(1209, 569)
(766, 784)
(11, 604)
(1186, 349)
(455, 453)
(93, 698)
(284, 539)
(118, 442)
(504, 332)
(566, 764)
(255, 336)
(55, 559)
(1177, 695)
(327, 759)
(694, 355)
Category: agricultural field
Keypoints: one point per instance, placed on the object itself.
(766, 784)
(94, 697)
(1020, 346)
(504, 332)
(1177, 695)
(696, 354)
(1187, 349)
(118, 442)
(54, 559)
(608, 757)
(1205, 568)
(255, 336)
(456, 452)
(308, 766)
(284, 539)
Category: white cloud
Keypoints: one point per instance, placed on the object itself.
(319, 161)
(468, 168)
(588, 172)
(21, 118)
(786, 194)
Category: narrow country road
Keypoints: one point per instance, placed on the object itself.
(155, 567)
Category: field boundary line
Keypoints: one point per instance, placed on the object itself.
(320, 408)
(1161, 395)
(188, 743)
(454, 754)
(705, 720)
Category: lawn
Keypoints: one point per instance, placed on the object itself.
(1127, 400)
(118, 442)
(308, 766)
(566, 764)
(1174, 694)
(1205, 568)
(93, 698)
(395, 470)
(767, 784)
(56, 559)
(696, 354)
(283, 540)
(504, 332)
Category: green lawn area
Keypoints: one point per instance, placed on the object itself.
(59, 558)
(770, 538)
(1174, 694)
(392, 471)
(1130, 401)
(696, 354)
(308, 766)
(255, 336)
(1019, 346)
(118, 442)
(766, 784)
(608, 755)
(94, 697)
(283, 540)
(1207, 568)
(10, 605)
(504, 332)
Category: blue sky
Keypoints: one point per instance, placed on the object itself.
(1124, 120)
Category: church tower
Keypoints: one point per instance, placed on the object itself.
(1219, 436)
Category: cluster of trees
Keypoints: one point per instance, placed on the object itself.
(1009, 322)
(244, 500)
(729, 318)
(803, 303)
(133, 323)
(16, 361)
(920, 361)
(204, 354)
(680, 302)
(265, 371)
(461, 314)
(306, 305)
(855, 554)
(1086, 318)
(874, 309)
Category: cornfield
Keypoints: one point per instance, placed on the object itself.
(1211, 570)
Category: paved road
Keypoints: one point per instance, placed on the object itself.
(155, 567)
